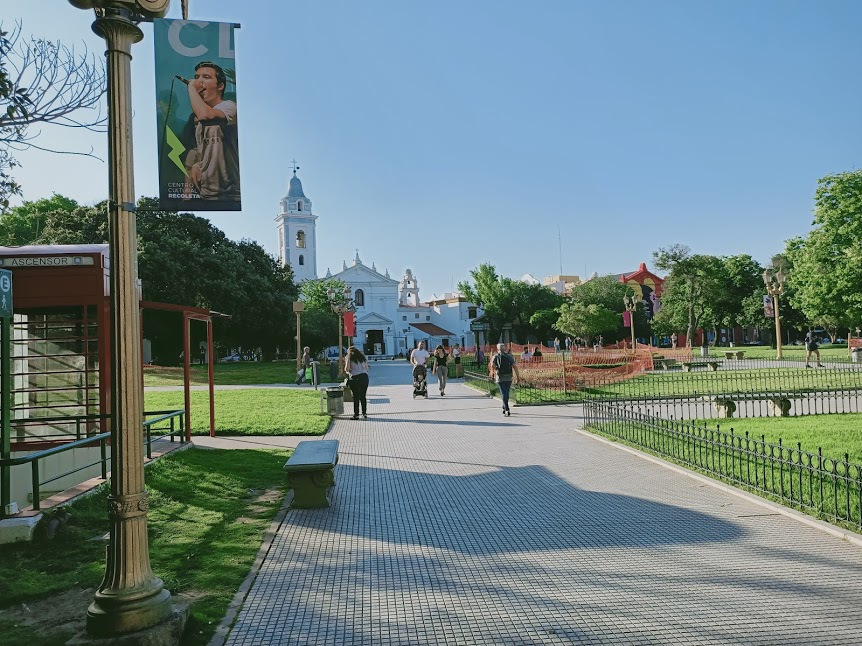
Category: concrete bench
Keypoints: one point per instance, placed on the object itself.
(725, 405)
(688, 365)
(734, 354)
(310, 472)
(665, 364)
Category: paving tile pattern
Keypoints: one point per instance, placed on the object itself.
(454, 525)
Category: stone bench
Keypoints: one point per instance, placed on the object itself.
(310, 472)
(734, 354)
(688, 365)
(725, 405)
(665, 364)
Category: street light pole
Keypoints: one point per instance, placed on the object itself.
(774, 281)
(130, 597)
(340, 302)
(631, 307)
(298, 307)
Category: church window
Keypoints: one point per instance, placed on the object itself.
(427, 318)
(359, 298)
(301, 259)
(471, 312)
(300, 239)
(299, 205)
(416, 316)
(403, 318)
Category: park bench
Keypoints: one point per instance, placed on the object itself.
(734, 354)
(688, 365)
(665, 364)
(725, 405)
(310, 472)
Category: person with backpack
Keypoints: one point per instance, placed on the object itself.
(503, 372)
(811, 347)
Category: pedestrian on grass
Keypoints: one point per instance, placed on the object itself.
(356, 367)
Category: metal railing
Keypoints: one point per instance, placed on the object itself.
(162, 421)
(829, 487)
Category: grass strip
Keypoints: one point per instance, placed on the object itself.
(208, 513)
(243, 373)
(248, 411)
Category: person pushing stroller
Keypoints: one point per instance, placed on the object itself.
(419, 359)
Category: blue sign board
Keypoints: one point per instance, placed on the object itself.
(5, 293)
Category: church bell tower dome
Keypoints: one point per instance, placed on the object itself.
(297, 242)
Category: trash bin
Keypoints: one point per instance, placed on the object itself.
(704, 350)
(332, 401)
(856, 354)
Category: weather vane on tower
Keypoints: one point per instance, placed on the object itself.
(295, 167)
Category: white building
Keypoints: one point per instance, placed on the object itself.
(390, 316)
(297, 242)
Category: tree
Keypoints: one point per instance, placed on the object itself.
(826, 264)
(587, 321)
(693, 290)
(182, 260)
(509, 302)
(608, 292)
(42, 82)
(319, 322)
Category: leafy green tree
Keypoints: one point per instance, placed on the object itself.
(826, 264)
(506, 301)
(587, 321)
(608, 293)
(319, 322)
(692, 292)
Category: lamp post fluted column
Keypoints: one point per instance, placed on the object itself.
(130, 597)
(631, 307)
(774, 281)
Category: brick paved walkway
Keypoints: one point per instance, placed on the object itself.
(454, 525)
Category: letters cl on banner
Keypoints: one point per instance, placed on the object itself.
(196, 91)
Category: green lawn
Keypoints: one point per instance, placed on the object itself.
(245, 373)
(208, 512)
(828, 352)
(836, 434)
(249, 411)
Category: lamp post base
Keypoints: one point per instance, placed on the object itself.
(167, 633)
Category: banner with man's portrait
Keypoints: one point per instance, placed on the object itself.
(197, 116)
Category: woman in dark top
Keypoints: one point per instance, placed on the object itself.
(356, 365)
(440, 368)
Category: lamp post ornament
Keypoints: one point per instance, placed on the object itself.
(774, 280)
(631, 304)
(130, 597)
(340, 302)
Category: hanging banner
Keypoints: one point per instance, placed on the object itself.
(349, 324)
(197, 116)
(768, 311)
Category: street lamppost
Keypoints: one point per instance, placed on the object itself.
(130, 597)
(298, 306)
(774, 280)
(631, 304)
(340, 302)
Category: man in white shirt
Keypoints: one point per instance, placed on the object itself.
(419, 359)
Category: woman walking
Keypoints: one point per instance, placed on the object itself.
(440, 368)
(356, 366)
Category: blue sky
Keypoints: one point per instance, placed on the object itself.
(441, 135)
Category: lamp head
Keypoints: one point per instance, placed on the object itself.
(147, 9)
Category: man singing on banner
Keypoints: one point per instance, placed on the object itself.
(212, 161)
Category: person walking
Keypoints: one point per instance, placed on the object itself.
(456, 358)
(356, 367)
(304, 365)
(504, 371)
(811, 347)
(441, 369)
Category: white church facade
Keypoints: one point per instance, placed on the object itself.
(390, 317)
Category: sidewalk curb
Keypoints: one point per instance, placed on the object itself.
(224, 628)
(823, 526)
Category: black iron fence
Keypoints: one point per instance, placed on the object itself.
(826, 486)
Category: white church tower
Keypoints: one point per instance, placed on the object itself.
(408, 290)
(297, 242)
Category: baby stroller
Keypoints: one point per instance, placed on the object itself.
(420, 382)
